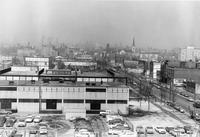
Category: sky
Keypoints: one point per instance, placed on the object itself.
(157, 24)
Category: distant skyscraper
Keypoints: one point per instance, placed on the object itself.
(133, 46)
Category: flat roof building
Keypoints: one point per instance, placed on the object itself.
(32, 93)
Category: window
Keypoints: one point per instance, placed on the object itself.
(8, 88)
(117, 101)
(73, 101)
(95, 90)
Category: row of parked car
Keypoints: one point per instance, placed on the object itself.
(9, 121)
(174, 131)
(118, 126)
(175, 106)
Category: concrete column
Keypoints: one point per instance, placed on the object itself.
(62, 90)
(106, 98)
(84, 90)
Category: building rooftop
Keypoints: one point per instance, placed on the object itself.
(14, 73)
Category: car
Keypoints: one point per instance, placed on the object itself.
(188, 129)
(182, 110)
(169, 129)
(43, 130)
(178, 131)
(190, 99)
(197, 117)
(29, 119)
(37, 119)
(10, 121)
(186, 95)
(103, 113)
(149, 130)
(172, 104)
(33, 131)
(2, 121)
(160, 130)
(127, 133)
(140, 130)
(4, 112)
(84, 133)
(21, 123)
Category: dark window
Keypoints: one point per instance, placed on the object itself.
(51, 103)
(95, 101)
(95, 90)
(8, 88)
(29, 100)
(73, 101)
(95, 106)
(117, 101)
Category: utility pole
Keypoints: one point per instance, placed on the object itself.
(40, 91)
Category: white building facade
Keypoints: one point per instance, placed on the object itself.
(41, 62)
(189, 53)
(26, 98)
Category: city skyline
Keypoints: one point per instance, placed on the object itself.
(154, 24)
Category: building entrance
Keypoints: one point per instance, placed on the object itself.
(51, 104)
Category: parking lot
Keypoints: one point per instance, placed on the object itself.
(32, 125)
(157, 118)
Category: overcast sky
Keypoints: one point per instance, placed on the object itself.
(157, 24)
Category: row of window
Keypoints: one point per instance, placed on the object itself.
(71, 89)
(66, 101)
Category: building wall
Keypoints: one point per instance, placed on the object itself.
(37, 61)
(27, 97)
(189, 53)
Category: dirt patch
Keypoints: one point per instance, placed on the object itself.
(140, 113)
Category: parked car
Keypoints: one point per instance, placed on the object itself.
(149, 130)
(4, 112)
(190, 99)
(188, 129)
(182, 110)
(178, 131)
(2, 121)
(10, 121)
(29, 119)
(169, 129)
(37, 119)
(22, 123)
(43, 130)
(197, 117)
(33, 131)
(172, 104)
(140, 130)
(103, 113)
(160, 130)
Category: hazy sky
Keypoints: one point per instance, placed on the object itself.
(165, 24)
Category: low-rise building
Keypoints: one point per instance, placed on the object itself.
(58, 93)
(41, 62)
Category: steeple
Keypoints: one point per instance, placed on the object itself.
(133, 45)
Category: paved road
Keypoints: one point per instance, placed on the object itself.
(165, 94)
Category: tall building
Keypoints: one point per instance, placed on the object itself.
(189, 54)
